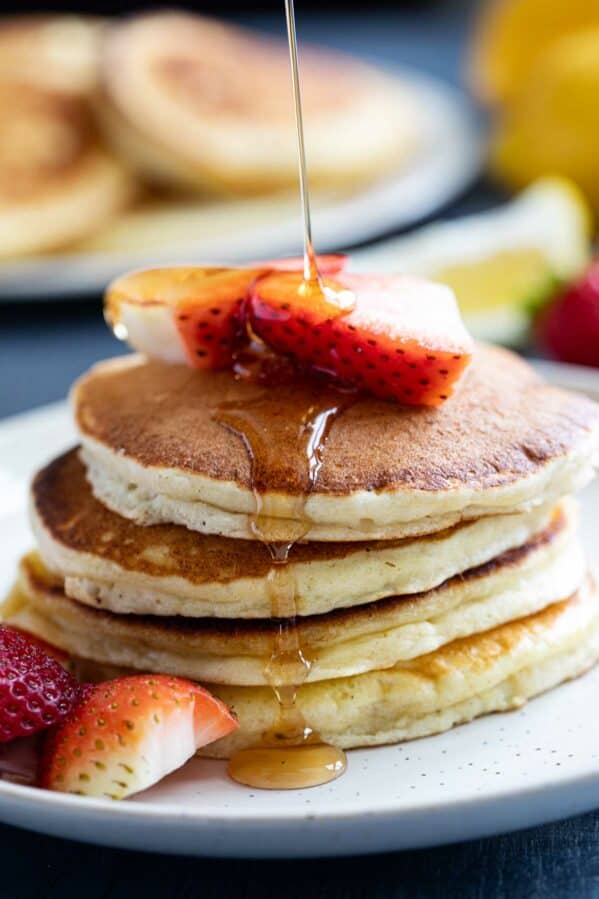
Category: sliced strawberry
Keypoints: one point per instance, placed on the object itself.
(328, 264)
(211, 322)
(569, 328)
(403, 340)
(59, 654)
(35, 690)
(193, 315)
(190, 314)
(129, 733)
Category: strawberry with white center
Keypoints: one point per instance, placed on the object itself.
(184, 315)
(191, 314)
(403, 339)
(35, 690)
(129, 733)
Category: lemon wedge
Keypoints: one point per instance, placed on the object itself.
(503, 264)
(510, 36)
(553, 124)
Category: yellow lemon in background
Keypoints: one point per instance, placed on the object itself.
(503, 264)
(511, 35)
(552, 126)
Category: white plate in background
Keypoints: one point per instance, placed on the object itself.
(445, 163)
(499, 773)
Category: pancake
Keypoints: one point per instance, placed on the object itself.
(57, 184)
(488, 672)
(52, 52)
(206, 106)
(336, 644)
(156, 453)
(112, 563)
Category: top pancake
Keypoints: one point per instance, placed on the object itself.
(156, 451)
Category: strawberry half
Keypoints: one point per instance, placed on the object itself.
(129, 733)
(403, 340)
(328, 264)
(35, 690)
(569, 328)
(190, 314)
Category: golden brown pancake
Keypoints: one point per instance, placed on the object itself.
(337, 644)
(113, 563)
(486, 672)
(156, 451)
(51, 52)
(490, 672)
(204, 105)
(57, 184)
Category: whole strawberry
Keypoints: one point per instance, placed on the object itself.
(569, 329)
(35, 690)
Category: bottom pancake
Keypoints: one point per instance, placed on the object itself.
(489, 672)
(338, 644)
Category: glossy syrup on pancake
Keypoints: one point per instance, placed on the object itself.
(293, 755)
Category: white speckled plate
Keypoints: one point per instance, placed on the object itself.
(447, 160)
(499, 773)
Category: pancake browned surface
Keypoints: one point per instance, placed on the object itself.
(506, 439)
(478, 674)
(113, 563)
(57, 183)
(337, 644)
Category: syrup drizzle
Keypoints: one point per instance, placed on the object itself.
(291, 755)
(312, 277)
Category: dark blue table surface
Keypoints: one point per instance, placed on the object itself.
(42, 349)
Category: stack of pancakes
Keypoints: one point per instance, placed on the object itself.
(436, 569)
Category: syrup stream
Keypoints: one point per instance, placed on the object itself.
(292, 755)
(311, 273)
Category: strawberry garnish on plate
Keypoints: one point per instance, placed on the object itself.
(403, 339)
(59, 654)
(569, 328)
(35, 690)
(129, 733)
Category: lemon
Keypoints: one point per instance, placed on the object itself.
(553, 125)
(502, 264)
(510, 36)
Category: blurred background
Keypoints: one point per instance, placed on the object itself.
(450, 138)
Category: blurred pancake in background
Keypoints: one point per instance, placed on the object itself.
(57, 184)
(52, 52)
(172, 135)
(206, 106)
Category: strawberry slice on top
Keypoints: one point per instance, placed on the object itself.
(192, 314)
(403, 339)
(129, 733)
(187, 315)
(328, 264)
